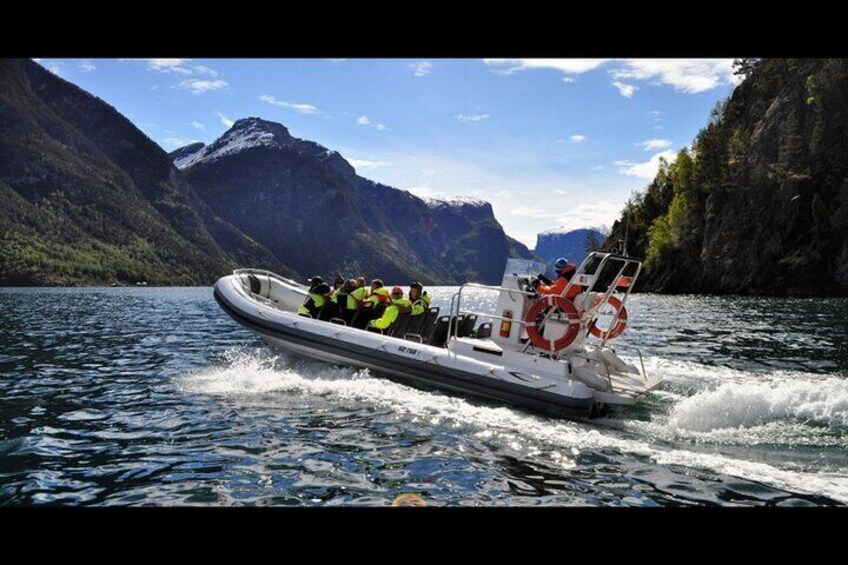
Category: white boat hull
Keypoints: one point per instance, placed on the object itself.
(467, 366)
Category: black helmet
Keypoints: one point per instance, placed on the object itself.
(377, 282)
(416, 285)
(316, 280)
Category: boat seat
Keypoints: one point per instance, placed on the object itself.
(416, 323)
(341, 308)
(484, 331)
(439, 334)
(467, 326)
(455, 324)
(419, 325)
(401, 323)
(255, 285)
(364, 315)
(327, 311)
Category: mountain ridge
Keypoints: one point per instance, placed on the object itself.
(80, 180)
(282, 190)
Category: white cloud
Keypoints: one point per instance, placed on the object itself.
(686, 75)
(577, 138)
(198, 125)
(472, 117)
(171, 143)
(366, 164)
(626, 90)
(598, 168)
(199, 86)
(225, 120)
(204, 70)
(366, 121)
(422, 68)
(648, 169)
(337, 61)
(560, 191)
(568, 79)
(599, 213)
(300, 108)
(190, 74)
(654, 144)
(87, 66)
(569, 66)
(169, 66)
(178, 66)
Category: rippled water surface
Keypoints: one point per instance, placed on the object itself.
(154, 396)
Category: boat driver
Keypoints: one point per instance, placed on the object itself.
(564, 271)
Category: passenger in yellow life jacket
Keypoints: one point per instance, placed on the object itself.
(420, 302)
(359, 293)
(355, 294)
(360, 282)
(338, 283)
(379, 294)
(319, 293)
(399, 304)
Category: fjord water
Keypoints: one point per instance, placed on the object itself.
(154, 396)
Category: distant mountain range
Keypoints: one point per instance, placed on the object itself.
(87, 198)
(569, 244)
(305, 203)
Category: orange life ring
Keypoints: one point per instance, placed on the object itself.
(536, 336)
(619, 325)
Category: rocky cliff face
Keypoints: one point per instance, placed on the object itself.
(88, 198)
(760, 205)
(307, 205)
(572, 245)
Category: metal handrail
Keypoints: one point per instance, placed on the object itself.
(269, 274)
(626, 262)
(454, 327)
(456, 300)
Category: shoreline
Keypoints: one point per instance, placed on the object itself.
(799, 293)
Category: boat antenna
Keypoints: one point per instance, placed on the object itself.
(626, 231)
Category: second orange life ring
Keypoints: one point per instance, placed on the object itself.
(620, 323)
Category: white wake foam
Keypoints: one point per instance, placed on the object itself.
(733, 405)
(257, 372)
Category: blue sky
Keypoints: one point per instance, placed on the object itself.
(550, 142)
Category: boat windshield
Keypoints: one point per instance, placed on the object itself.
(524, 267)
